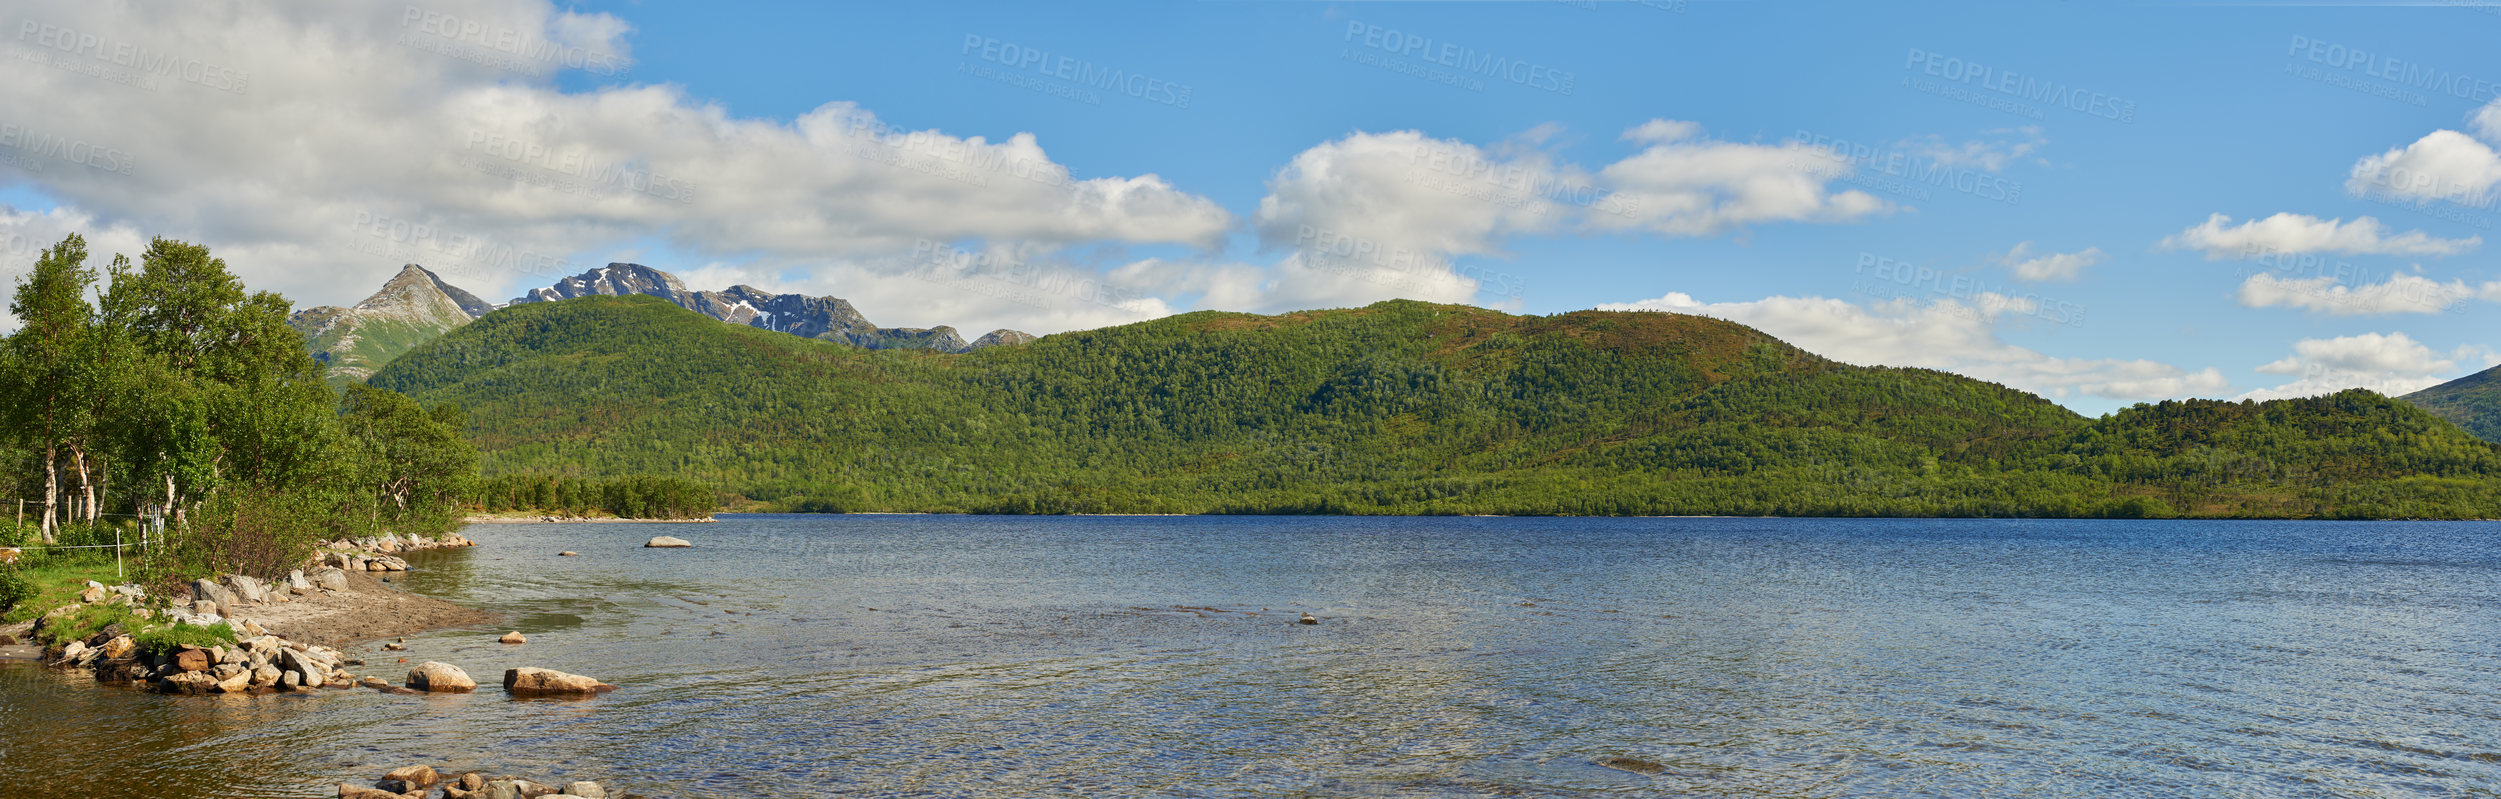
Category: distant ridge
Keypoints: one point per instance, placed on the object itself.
(416, 306)
(827, 318)
(1397, 407)
(2472, 402)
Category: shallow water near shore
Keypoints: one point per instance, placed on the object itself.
(1158, 656)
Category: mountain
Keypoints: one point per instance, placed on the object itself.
(1397, 407)
(828, 318)
(415, 307)
(2473, 402)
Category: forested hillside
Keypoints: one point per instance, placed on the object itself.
(1399, 407)
(2473, 402)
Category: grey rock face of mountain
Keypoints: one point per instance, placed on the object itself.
(828, 318)
(414, 307)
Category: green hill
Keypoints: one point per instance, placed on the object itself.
(2473, 402)
(1398, 407)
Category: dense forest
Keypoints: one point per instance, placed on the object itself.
(1398, 407)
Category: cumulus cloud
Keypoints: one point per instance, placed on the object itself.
(2389, 363)
(1378, 215)
(2400, 293)
(1947, 334)
(2443, 165)
(1686, 185)
(2050, 266)
(2289, 233)
(325, 144)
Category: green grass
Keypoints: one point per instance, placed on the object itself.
(159, 640)
(87, 621)
(57, 581)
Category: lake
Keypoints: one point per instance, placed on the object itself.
(1159, 656)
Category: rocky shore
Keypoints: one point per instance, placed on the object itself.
(420, 782)
(285, 631)
(545, 519)
(285, 636)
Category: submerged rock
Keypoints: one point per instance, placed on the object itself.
(1633, 764)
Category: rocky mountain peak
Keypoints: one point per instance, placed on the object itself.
(615, 280)
(828, 318)
(413, 307)
(415, 287)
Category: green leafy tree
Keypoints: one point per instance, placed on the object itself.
(47, 404)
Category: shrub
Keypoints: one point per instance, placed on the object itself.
(160, 640)
(14, 588)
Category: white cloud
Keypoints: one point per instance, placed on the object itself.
(1946, 334)
(1689, 186)
(340, 131)
(1993, 155)
(2487, 121)
(1662, 131)
(2400, 293)
(2288, 233)
(1378, 215)
(2443, 165)
(2393, 364)
(2052, 266)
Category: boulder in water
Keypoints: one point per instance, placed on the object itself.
(440, 678)
(527, 681)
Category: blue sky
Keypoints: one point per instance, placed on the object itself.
(2009, 190)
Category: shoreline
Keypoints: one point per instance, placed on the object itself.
(527, 519)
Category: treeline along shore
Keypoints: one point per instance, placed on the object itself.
(162, 428)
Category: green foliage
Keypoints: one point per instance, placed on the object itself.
(413, 461)
(180, 392)
(84, 622)
(2473, 402)
(15, 588)
(169, 638)
(628, 497)
(1398, 407)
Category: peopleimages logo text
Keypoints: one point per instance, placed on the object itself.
(133, 56)
(2016, 84)
(2393, 70)
(1076, 71)
(1460, 57)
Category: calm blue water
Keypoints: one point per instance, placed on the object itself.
(951, 656)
